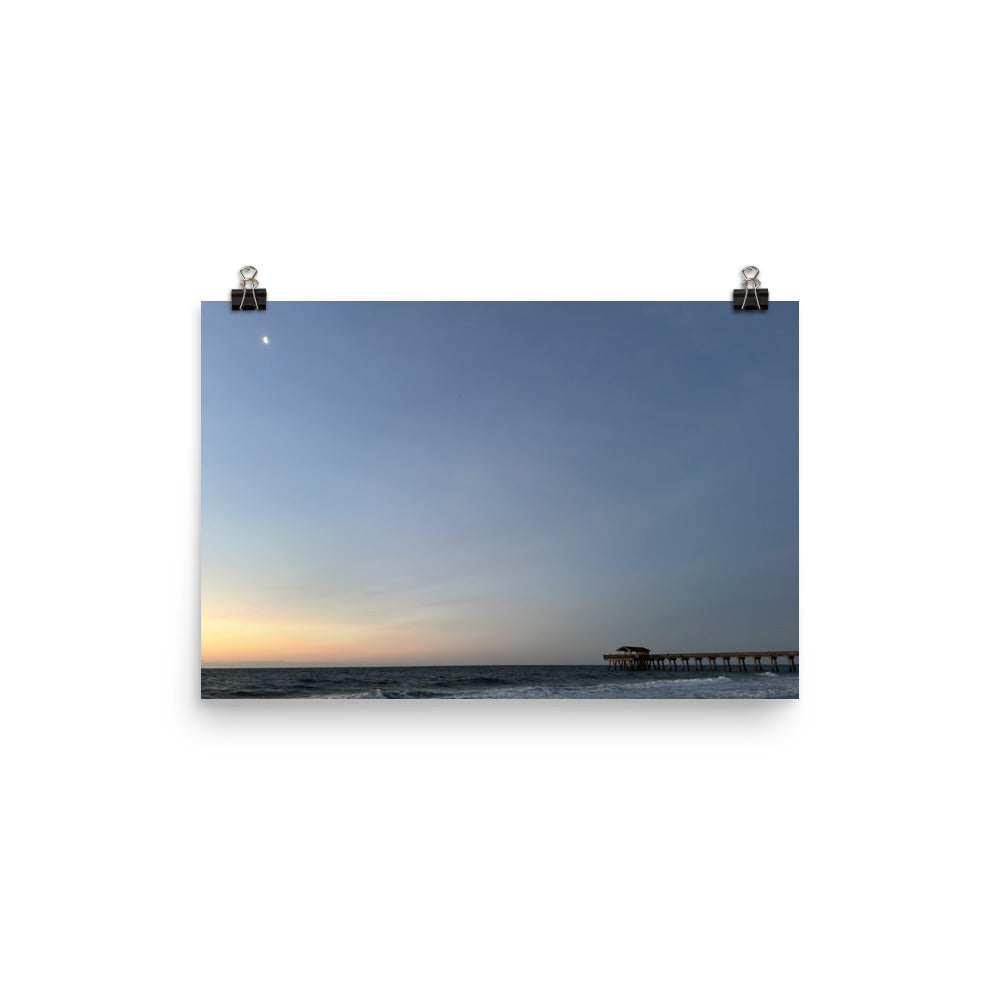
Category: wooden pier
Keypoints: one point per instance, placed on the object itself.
(702, 661)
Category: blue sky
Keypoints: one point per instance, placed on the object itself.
(401, 483)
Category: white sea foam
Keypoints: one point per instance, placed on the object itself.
(374, 693)
(653, 687)
(696, 680)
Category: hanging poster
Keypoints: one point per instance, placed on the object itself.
(500, 500)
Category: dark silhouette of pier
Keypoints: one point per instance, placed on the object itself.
(627, 658)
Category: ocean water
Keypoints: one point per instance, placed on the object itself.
(491, 682)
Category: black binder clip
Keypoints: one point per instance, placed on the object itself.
(751, 283)
(257, 299)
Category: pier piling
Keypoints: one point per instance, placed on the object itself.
(700, 661)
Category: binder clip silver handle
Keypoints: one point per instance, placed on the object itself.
(750, 283)
(249, 283)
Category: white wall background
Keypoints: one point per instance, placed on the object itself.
(159, 847)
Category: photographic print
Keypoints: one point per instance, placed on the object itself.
(499, 500)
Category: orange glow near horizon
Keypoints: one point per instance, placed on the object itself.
(227, 638)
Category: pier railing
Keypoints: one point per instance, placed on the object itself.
(703, 661)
